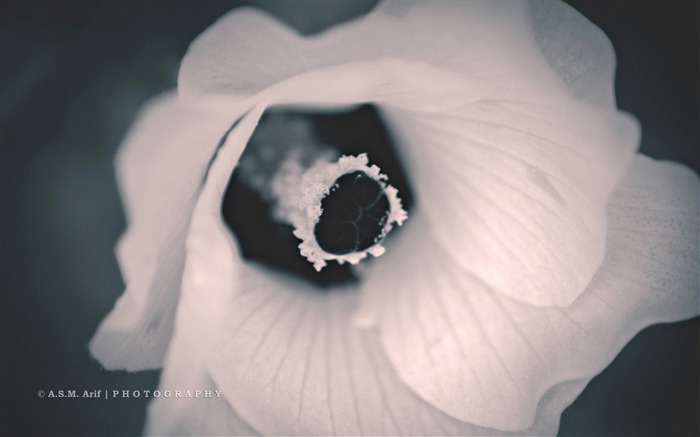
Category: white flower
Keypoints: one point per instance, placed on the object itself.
(539, 244)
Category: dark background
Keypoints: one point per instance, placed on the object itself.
(73, 76)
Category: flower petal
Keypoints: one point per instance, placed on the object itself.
(290, 361)
(539, 162)
(576, 49)
(197, 416)
(160, 168)
(242, 53)
(541, 168)
(207, 412)
(198, 312)
(287, 357)
(247, 50)
(486, 160)
(514, 187)
(474, 353)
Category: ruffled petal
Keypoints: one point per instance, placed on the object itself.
(287, 357)
(576, 49)
(247, 50)
(490, 134)
(514, 187)
(513, 182)
(242, 53)
(207, 279)
(507, 173)
(517, 142)
(476, 354)
(160, 168)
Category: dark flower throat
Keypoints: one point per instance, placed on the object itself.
(354, 212)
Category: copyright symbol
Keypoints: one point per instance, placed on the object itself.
(41, 393)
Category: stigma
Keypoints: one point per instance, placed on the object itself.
(341, 210)
(353, 215)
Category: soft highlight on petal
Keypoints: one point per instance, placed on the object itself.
(160, 168)
(244, 40)
(490, 162)
(287, 357)
(290, 362)
(491, 43)
(207, 280)
(514, 187)
(486, 354)
(247, 50)
(499, 309)
(207, 412)
(511, 171)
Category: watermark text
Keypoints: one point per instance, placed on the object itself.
(124, 394)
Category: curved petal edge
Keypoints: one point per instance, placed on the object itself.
(474, 353)
(160, 168)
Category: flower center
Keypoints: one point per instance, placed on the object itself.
(355, 207)
(353, 215)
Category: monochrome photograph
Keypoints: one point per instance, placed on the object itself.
(350, 217)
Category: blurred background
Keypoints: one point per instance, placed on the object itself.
(74, 75)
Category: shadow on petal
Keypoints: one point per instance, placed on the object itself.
(446, 324)
(160, 169)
